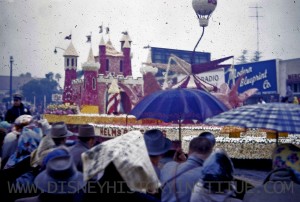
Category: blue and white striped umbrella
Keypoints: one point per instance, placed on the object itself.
(280, 117)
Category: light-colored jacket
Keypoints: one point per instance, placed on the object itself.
(184, 182)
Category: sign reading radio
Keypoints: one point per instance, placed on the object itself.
(260, 75)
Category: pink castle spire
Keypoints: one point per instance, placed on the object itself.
(127, 59)
(102, 57)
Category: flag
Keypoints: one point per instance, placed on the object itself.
(69, 37)
(101, 29)
(107, 30)
(88, 40)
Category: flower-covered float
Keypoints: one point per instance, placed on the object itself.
(239, 143)
(106, 93)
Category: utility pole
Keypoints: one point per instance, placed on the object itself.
(11, 60)
(257, 25)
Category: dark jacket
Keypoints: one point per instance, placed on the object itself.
(45, 197)
(112, 187)
(8, 187)
(76, 151)
(13, 113)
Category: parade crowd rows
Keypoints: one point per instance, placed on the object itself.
(39, 164)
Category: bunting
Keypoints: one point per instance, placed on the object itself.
(113, 105)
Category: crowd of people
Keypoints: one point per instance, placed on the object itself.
(289, 97)
(38, 165)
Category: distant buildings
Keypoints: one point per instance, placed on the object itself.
(17, 82)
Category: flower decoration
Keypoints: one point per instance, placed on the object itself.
(252, 143)
(62, 109)
(230, 96)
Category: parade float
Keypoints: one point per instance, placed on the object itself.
(104, 96)
(107, 92)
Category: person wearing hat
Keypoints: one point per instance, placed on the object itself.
(59, 133)
(157, 145)
(217, 180)
(86, 140)
(11, 139)
(59, 182)
(16, 110)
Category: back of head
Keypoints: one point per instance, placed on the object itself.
(5, 126)
(200, 145)
(209, 136)
(217, 168)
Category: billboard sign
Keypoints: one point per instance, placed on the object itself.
(215, 77)
(260, 75)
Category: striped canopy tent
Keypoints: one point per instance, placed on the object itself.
(193, 81)
(114, 98)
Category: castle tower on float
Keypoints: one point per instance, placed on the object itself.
(91, 92)
(90, 95)
(70, 63)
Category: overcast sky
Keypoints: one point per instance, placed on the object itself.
(30, 29)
